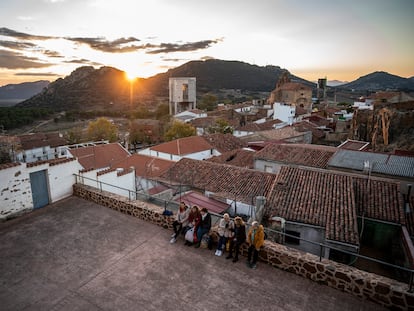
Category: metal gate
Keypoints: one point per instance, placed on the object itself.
(40, 193)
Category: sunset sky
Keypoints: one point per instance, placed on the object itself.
(337, 39)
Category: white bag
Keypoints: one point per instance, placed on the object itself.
(189, 235)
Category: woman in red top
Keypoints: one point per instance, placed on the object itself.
(194, 220)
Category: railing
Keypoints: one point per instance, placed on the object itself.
(173, 205)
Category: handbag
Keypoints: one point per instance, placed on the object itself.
(189, 235)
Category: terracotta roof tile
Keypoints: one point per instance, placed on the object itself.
(224, 142)
(51, 162)
(38, 140)
(238, 157)
(99, 156)
(316, 198)
(145, 166)
(8, 165)
(225, 181)
(273, 135)
(183, 146)
(255, 127)
(379, 199)
(297, 154)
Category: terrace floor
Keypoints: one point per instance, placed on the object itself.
(77, 255)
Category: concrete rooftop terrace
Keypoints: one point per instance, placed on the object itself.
(77, 255)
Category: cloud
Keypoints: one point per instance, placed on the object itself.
(21, 35)
(37, 74)
(15, 45)
(14, 60)
(186, 47)
(115, 46)
(54, 54)
(83, 62)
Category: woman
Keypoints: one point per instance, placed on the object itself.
(225, 232)
(255, 240)
(204, 227)
(238, 240)
(181, 221)
(194, 219)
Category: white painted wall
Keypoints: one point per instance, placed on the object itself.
(284, 112)
(61, 179)
(16, 191)
(105, 181)
(205, 154)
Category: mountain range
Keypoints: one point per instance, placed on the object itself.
(107, 87)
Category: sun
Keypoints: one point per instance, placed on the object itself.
(131, 76)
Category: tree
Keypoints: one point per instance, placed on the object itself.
(221, 126)
(179, 130)
(208, 102)
(102, 129)
(74, 135)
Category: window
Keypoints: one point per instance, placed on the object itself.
(185, 91)
(268, 169)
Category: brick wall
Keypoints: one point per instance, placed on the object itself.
(382, 290)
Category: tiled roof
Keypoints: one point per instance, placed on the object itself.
(297, 154)
(145, 166)
(354, 145)
(316, 198)
(275, 134)
(8, 165)
(255, 127)
(99, 156)
(194, 198)
(183, 146)
(51, 162)
(203, 122)
(238, 157)
(306, 125)
(379, 199)
(38, 140)
(224, 142)
(224, 181)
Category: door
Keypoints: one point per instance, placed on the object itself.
(40, 193)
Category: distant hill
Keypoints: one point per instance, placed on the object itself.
(215, 74)
(13, 93)
(107, 88)
(380, 81)
(85, 88)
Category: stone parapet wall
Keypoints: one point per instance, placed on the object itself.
(142, 210)
(382, 290)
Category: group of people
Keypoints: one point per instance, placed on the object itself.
(194, 223)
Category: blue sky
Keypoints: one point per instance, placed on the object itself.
(343, 40)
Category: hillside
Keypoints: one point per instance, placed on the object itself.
(85, 88)
(380, 81)
(107, 88)
(215, 74)
(12, 94)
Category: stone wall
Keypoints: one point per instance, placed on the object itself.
(382, 290)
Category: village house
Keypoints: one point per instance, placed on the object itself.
(35, 147)
(193, 147)
(274, 156)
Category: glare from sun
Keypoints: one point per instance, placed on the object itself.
(130, 76)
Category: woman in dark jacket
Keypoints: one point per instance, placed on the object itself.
(205, 225)
(239, 238)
